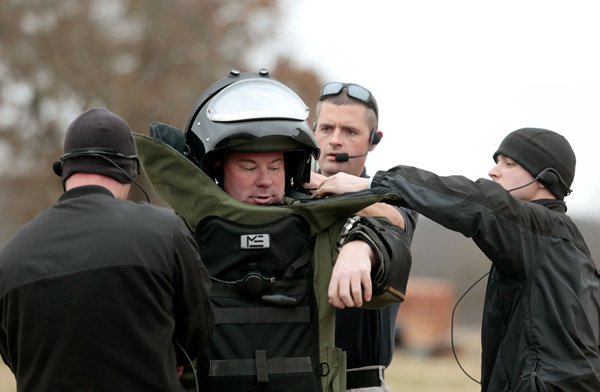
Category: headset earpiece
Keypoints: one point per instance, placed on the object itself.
(57, 168)
(548, 177)
(105, 155)
(374, 137)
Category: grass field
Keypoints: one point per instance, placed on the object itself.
(409, 371)
(415, 372)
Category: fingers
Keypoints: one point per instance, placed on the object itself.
(350, 292)
(350, 282)
(367, 287)
(341, 183)
(335, 293)
(346, 292)
(316, 180)
(326, 188)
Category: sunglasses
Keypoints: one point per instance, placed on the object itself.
(354, 90)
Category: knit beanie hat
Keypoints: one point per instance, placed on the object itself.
(98, 141)
(545, 154)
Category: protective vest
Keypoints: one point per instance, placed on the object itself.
(270, 267)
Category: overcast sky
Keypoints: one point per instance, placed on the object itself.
(452, 78)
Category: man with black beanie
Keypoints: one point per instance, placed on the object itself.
(99, 293)
(541, 321)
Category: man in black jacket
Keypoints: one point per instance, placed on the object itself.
(99, 293)
(541, 321)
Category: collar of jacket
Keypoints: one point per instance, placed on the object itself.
(84, 191)
(553, 204)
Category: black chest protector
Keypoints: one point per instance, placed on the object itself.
(266, 330)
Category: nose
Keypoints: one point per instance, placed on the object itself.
(494, 172)
(336, 135)
(264, 178)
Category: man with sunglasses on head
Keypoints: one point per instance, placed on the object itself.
(346, 130)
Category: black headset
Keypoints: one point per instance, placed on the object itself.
(94, 152)
(97, 153)
(103, 154)
(374, 137)
(550, 176)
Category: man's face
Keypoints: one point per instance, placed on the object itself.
(510, 175)
(342, 128)
(254, 178)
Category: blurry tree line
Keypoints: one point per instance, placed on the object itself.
(145, 60)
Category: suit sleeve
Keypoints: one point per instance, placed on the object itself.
(392, 251)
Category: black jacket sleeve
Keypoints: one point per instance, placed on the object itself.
(193, 310)
(500, 224)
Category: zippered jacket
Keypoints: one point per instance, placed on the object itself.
(541, 321)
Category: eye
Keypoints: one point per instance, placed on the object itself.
(275, 168)
(324, 128)
(506, 161)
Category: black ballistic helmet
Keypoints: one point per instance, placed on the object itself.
(98, 141)
(251, 112)
(545, 154)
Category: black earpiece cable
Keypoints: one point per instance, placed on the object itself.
(452, 327)
(190, 362)
(124, 172)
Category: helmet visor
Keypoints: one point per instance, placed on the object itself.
(254, 99)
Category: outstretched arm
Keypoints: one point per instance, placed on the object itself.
(341, 183)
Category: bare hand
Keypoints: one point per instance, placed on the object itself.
(351, 278)
(316, 180)
(341, 183)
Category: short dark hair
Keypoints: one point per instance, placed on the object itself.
(344, 99)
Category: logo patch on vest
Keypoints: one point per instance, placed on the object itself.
(255, 241)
